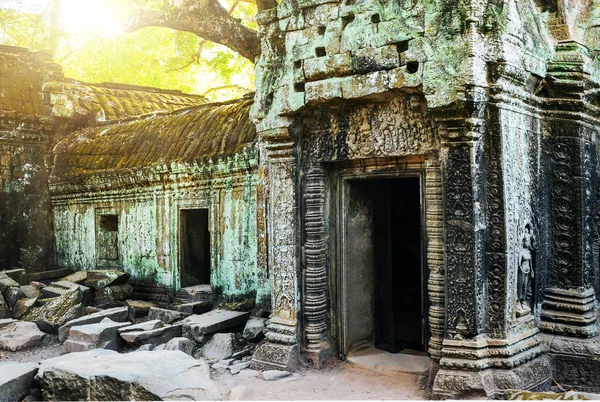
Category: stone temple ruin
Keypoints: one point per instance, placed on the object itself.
(410, 175)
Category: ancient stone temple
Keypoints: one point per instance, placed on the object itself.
(411, 176)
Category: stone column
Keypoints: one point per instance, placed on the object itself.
(569, 309)
(281, 349)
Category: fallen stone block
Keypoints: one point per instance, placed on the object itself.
(222, 365)
(254, 329)
(139, 308)
(58, 311)
(78, 277)
(145, 347)
(199, 307)
(220, 346)
(12, 295)
(4, 310)
(5, 321)
(183, 344)
(7, 283)
(100, 279)
(49, 275)
(153, 336)
(107, 375)
(165, 315)
(59, 288)
(117, 314)
(30, 291)
(18, 274)
(16, 379)
(236, 368)
(143, 326)
(113, 294)
(248, 373)
(272, 375)
(102, 335)
(19, 335)
(196, 326)
(23, 307)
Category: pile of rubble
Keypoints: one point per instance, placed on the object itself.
(93, 316)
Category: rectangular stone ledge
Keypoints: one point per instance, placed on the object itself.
(314, 3)
(337, 65)
(374, 59)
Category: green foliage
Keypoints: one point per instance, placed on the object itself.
(152, 56)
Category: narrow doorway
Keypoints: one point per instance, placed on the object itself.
(383, 274)
(195, 247)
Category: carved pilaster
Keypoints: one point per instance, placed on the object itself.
(569, 306)
(281, 349)
(314, 261)
(435, 255)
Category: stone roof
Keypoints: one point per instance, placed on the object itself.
(110, 101)
(192, 135)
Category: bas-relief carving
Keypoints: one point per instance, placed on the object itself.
(526, 272)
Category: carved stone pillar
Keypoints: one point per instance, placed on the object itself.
(569, 309)
(280, 351)
(314, 265)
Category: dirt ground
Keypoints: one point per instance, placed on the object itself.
(336, 381)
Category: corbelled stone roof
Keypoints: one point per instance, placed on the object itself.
(191, 135)
(110, 101)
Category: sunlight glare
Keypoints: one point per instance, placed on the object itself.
(89, 16)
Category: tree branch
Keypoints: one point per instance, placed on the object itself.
(207, 19)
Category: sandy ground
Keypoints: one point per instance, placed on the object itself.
(336, 381)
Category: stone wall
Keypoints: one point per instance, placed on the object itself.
(26, 134)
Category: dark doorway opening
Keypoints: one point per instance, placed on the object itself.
(195, 247)
(383, 261)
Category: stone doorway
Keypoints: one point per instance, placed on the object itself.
(194, 243)
(384, 301)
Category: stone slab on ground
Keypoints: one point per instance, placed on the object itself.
(102, 335)
(78, 277)
(220, 346)
(143, 326)
(180, 343)
(58, 311)
(388, 363)
(199, 307)
(30, 291)
(273, 375)
(254, 329)
(18, 274)
(165, 315)
(23, 307)
(236, 368)
(154, 336)
(16, 379)
(139, 308)
(5, 321)
(107, 375)
(100, 279)
(19, 335)
(113, 294)
(48, 275)
(196, 326)
(59, 288)
(117, 314)
(520, 395)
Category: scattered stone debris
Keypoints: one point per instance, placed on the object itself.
(57, 311)
(16, 380)
(158, 335)
(220, 346)
(515, 395)
(19, 335)
(100, 279)
(156, 375)
(112, 294)
(139, 308)
(199, 307)
(18, 274)
(273, 375)
(254, 329)
(165, 315)
(196, 326)
(180, 343)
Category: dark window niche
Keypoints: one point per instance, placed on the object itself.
(375, 19)
(346, 20)
(299, 87)
(412, 67)
(109, 223)
(320, 52)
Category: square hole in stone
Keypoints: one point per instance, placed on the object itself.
(320, 52)
(375, 19)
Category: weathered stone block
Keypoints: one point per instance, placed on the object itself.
(56, 312)
(113, 294)
(78, 277)
(19, 275)
(153, 336)
(12, 295)
(16, 379)
(139, 308)
(337, 65)
(30, 291)
(59, 288)
(19, 335)
(156, 375)
(324, 90)
(23, 307)
(195, 326)
(117, 314)
(100, 279)
(375, 59)
(143, 326)
(183, 344)
(200, 307)
(165, 315)
(254, 329)
(102, 335)
(220, 346)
